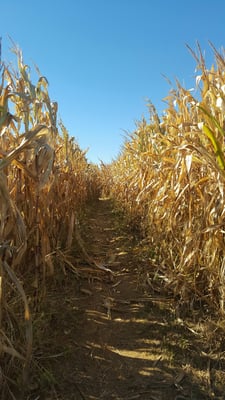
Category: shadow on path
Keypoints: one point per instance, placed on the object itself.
(108, 338)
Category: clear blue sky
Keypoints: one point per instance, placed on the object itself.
(104, 58)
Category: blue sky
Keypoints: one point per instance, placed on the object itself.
(105, 58)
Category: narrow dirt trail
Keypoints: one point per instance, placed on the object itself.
(111, 337)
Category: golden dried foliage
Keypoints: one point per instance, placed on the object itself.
(170, 179)
(45, 180)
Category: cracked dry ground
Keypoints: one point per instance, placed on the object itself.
(99, 337)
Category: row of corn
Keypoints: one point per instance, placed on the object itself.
(45, 180)
(170, 180)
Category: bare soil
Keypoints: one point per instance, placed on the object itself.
(103, 335)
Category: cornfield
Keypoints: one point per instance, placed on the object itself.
(45, 180)
(169, 179)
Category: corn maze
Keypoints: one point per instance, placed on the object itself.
(168, 181)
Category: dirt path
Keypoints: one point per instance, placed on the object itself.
(112, 337)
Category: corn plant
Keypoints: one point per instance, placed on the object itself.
(44, 184)
(170, 177)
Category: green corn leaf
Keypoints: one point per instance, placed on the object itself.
(217, 148)
(213, 120)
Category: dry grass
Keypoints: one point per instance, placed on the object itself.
(170, 179)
